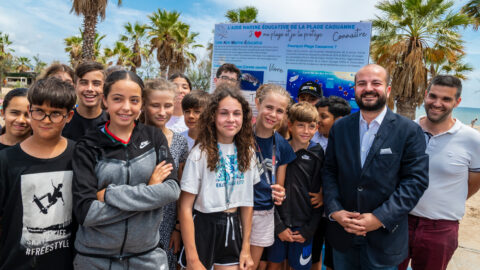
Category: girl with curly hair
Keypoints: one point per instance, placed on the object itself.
(217, 187)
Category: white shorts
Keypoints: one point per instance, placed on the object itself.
(263, 228)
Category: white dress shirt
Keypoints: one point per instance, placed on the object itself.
(368, 133)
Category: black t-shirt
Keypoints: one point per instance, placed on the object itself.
(36, 209)
(3, 146)
(79, 125)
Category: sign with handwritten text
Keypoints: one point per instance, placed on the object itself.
(290, 54)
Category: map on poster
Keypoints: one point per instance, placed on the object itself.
(290, 54)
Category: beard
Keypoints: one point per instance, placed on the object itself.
(437, 118)
(379, 104)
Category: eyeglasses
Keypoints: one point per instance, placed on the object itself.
(228, 79)
(55, 117)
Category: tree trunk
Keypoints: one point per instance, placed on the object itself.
(406, 107)
(88, 47)
(163, 71)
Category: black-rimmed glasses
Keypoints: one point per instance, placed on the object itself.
(55, 117)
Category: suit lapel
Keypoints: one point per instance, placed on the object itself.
(355, 127)
(385, 128)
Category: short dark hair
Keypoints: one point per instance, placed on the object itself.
(337, 106)
(54, 92)
(195, 99)
(122, 75)
(58, 67)
(227, 67)
(17, 92)
(89, 66)
(449, 81)
(180, 75)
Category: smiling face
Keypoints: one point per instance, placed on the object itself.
(17, 118)
(302, 132)
(371, 89)
(271, 111)
(191, 116)
(228, 119)
(440, 102)
(89, 89)
(326, 121)
(182, 88)
(159, 107)
(123, 104)
(46, 129)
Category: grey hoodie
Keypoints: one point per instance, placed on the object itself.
(123, 230)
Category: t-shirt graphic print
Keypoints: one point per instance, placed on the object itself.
(47, 211)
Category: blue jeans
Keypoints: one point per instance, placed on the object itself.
(356, 257)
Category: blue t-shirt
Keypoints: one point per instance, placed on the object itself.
(284, 155)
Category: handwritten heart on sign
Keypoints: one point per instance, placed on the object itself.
(258, 33)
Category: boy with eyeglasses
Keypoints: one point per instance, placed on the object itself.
(227, 73)
(35, 185)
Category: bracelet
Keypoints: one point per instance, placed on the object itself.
(175, 229)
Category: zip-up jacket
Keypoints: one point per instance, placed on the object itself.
(127, 223)
(303, 176)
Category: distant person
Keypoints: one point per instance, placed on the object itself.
(90, 77)
(184, 86)
(60, 71)
(228, 73)
(310, 92)
(297, 218)
(375, 172)
(35, 185)
(193, 105)
(16, 115)
(454, 173)
(330, 110)
(472, 124)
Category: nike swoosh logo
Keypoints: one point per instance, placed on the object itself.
(305, 261)
(143, 144)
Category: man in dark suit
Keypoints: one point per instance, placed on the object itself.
(375, 172)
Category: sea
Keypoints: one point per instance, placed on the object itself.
(464, 114)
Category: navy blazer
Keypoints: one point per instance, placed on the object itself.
(389, 185)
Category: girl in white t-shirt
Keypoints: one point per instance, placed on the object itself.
(216, 202)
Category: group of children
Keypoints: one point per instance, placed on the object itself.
(104, 195)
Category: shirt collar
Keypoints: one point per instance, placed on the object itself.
(378, 119)
(454, 129)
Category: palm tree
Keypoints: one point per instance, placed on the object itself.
(74, 49)
(163, 30)
(23, 64)
(91, 10)
(454, 67)
(39, 64)
(74, 45)
(247, 14)
(472, 9)
(411, 35)
(5, 55)
(123, 53)
(182, 56)
(135, 35)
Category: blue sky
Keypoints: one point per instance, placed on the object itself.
(39, 26)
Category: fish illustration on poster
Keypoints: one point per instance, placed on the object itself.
(339, 84)
(47, 211)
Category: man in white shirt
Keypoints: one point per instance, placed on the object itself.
(454, 173)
